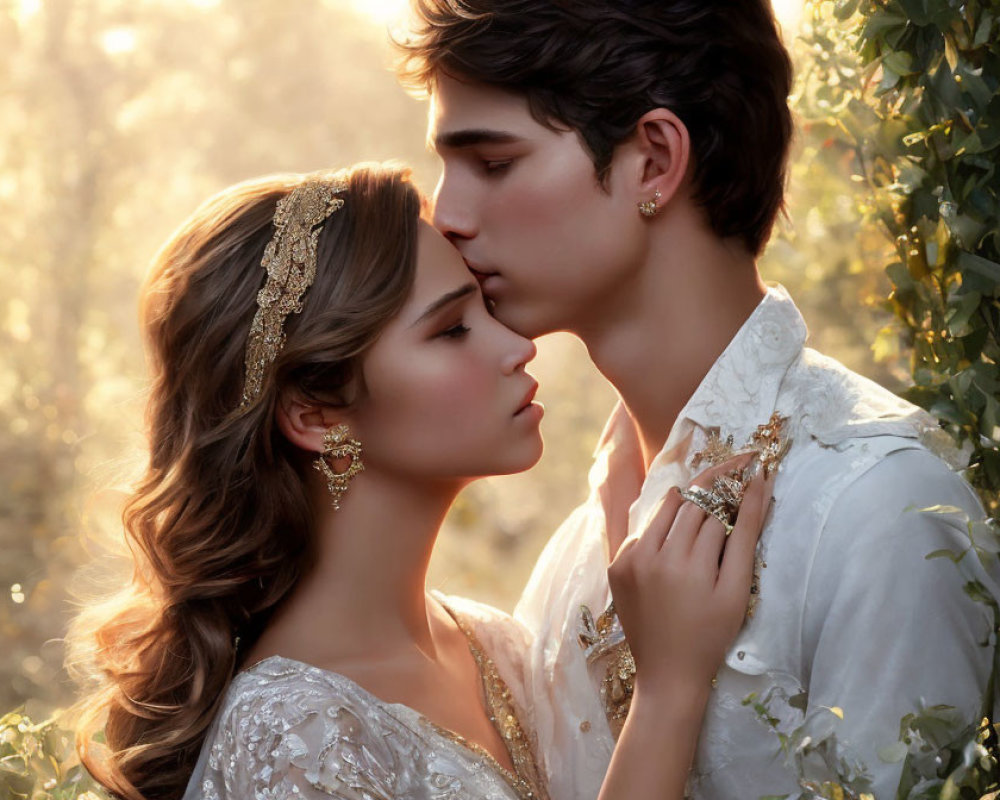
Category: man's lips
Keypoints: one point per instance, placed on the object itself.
(480, 273)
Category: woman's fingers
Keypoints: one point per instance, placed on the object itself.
(709, 545)
(691, 518)
(663, 520)
(687, 525)
(736, 570)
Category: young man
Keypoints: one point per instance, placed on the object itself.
(613, 169)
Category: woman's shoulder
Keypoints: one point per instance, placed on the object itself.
(477, 613)
(283, 689)
(502, 640)
(289, 727)
(500, 634)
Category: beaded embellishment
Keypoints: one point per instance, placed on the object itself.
(290, 263)
(526, 779)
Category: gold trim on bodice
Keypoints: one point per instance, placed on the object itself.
(526, 779)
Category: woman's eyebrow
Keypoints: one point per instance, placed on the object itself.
(447, 299)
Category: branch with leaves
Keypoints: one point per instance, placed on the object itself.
(943, 755)
(911, 88)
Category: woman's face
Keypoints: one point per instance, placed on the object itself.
(447, 395)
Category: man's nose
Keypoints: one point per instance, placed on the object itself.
(454, 215)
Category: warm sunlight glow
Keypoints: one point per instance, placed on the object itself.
(394, 12)
(384, 12)
(789, 13)
(118, 40)
(25, 10)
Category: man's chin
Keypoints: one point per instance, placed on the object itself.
(519, 320)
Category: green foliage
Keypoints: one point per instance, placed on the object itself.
(38, 762)
(811, 750)
(944, 757)
(911, 89)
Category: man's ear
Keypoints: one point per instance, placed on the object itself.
(304, 423)
(662, 139)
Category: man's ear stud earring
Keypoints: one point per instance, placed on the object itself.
(648, 208)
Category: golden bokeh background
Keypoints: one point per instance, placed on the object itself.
(119, 117)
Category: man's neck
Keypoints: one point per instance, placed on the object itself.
(664, 332)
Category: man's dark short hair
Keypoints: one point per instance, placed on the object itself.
(597, 66)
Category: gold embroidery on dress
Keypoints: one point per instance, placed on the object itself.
(527, 781)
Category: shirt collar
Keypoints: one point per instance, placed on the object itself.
(737, 394)
(740, 390)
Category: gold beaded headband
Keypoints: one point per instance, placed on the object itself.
(290, 262)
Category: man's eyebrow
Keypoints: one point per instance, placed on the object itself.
(470, 137)
(446, 300)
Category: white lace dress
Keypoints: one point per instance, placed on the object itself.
(291, 730)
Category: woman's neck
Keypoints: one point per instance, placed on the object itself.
(364, 596)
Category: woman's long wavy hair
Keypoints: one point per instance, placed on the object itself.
(219, 525)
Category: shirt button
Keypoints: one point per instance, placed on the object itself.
(741, 655)
(585, 726)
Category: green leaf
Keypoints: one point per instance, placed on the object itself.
(940, 509)
(984, 30)
(961, 313)
(978, 264)
(845, 9)
(893, 754)
(978, 592)
(899, 62)
(950, 51)
(949, 554)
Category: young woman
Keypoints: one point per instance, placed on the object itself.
(310, 424)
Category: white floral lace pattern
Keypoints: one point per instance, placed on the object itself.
(291, 730)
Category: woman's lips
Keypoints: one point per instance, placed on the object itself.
(528, 398)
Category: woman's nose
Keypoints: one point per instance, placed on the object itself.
(520, 351)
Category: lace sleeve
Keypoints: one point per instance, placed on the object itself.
(281, 736)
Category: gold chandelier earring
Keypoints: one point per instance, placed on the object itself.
(648, 208)
(340, 461)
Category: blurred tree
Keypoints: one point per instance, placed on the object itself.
(119, 118)
(38, 762)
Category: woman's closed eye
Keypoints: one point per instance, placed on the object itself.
(457, 331)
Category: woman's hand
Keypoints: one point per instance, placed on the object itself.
(681, 587)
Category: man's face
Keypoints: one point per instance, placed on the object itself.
(523, 205)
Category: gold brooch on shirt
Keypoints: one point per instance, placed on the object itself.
(768, 441)
(770, 444)
(604, 638)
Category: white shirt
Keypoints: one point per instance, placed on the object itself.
(850, 611)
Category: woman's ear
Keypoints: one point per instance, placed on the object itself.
(663, 141)
(305, 423)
